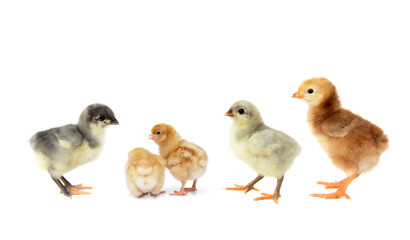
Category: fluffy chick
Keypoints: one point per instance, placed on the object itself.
(352, 143)
(185, 160)
(59, 150)
(268, 151)
(145, 172)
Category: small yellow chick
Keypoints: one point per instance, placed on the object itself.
(352, 143)
(145, 172)
(268, 151)
(185, 160)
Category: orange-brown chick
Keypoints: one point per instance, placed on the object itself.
(351, 142)
(145, 172)
(185, 160)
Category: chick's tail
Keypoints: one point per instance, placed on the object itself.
(382, 143)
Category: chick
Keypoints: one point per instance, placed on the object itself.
(59, 150)
(268, 151)
(145, 172)
(351, 142)
(185, 160)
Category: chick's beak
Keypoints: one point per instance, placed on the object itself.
(230, 113)
(298, 94)
(113, 121)
(151, 136)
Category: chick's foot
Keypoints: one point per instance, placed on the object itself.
(142, 195)
(74, 189)
(181, 191)
(341, 191)
(245, 189)
(68, 190)
(267, 196)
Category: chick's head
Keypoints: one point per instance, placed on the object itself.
(315, 91)
(244, 113)
(98, 116)
(163, 133)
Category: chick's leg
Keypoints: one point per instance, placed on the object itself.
(63, 189)
(276, 195)
(248, 187)
(341, 191)
(182, 191)
(75, 189)
(193, 188)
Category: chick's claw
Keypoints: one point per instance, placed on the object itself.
(245, 189)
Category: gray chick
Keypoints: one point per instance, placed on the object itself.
(268, 151)
(59, 150)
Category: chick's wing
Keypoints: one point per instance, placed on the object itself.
(187, 154)
(340, 124)
(262, 144)
(69, 136)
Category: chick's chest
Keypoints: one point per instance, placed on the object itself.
(238, 144)
(85, 153)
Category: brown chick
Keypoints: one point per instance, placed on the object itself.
(145, 172)
(185, 160)
(351, 142)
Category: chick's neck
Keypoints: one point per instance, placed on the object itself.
(329, 106)
(169, 145)
(95, 137)
(250, 125)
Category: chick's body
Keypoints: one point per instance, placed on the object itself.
(145, 172)
(268, 151)
(352, 143)
(185, 160)
(65, 148)
(59, 150)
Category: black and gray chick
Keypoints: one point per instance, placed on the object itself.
(59, 150)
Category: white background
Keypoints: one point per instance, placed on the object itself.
(184, 63)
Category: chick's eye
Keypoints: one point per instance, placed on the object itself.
(310, 91)
(101, 117)
(158, 132)
(241, 111)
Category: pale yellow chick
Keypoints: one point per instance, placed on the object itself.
(145, 172)
(267, 151)
(185, 160)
